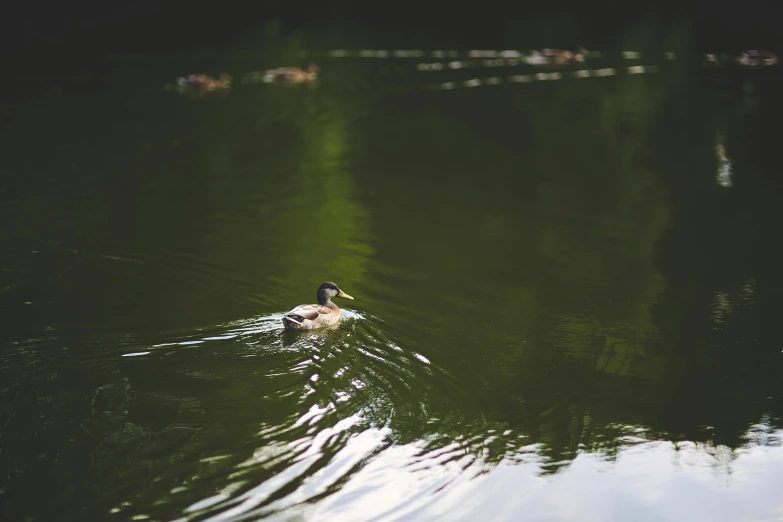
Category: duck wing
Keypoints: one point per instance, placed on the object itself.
(306, 317)
(310, 312)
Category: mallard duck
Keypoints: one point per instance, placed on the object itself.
(325, 313)
(564, 57)
(292, 74)
(756, 58)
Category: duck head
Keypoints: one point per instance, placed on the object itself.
(328, 290)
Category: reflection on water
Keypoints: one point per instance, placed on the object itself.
(557, 311)
(724, 163)
(647, 480)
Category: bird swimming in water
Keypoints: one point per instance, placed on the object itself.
(311, 316)
(292, 75)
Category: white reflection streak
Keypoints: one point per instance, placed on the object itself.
(722, 307)
(219, 337)
(370, 53)
(536, 58)
(390, 488)
(677, 482)
(532, 57)
(482, 54)
(207, 502)
(356, 449)
(724, 174)
(238, 328)
(636, 69)
(421, 358)
(313, 415)
(748, 289)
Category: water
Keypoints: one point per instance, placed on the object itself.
(566, 297)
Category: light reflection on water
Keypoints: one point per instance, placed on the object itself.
(332, 465)
(315, 452)
(645, 480)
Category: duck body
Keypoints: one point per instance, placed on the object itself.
(757, 58)
(557, 57)
(291, 75)
(312, 316)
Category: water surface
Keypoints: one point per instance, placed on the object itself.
(567, 297)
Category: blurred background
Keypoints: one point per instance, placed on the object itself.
(89, 27)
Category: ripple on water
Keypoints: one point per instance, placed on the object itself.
(345, 386)
(301, 414)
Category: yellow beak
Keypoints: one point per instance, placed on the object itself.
(344, 295)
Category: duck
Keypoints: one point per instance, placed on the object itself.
(755, 58)
(206, 83)
(312, 316)
(565, 57)
(292, 74)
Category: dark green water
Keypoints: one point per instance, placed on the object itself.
(563, 310)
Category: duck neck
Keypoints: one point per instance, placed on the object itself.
(328, 302)
(325, 300)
